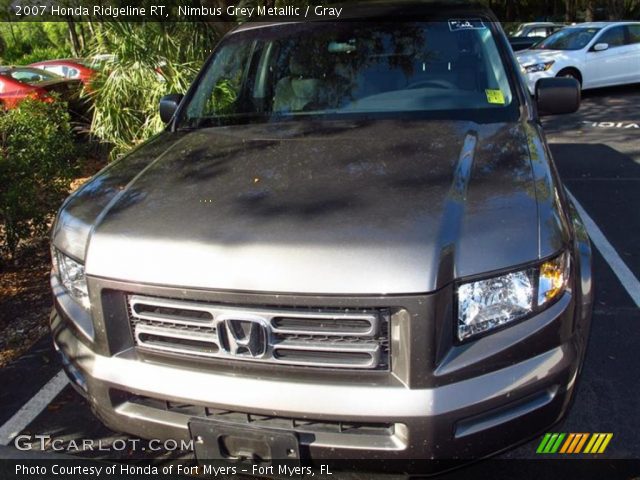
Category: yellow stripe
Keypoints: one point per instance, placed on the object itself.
(607, 439)
(584, 439)
(567, 442)
(594, 437)
(596, 445)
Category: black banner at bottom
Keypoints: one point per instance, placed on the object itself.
(55, 468)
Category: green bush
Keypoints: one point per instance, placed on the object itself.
(36, 158)
(27, 42)
(42, 53)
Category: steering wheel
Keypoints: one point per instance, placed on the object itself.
(432, 83)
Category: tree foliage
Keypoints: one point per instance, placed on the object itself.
(36, 154)
(27, 42)
(152, 59)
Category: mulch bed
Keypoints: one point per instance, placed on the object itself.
(25, 300)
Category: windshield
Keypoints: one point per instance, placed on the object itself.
(338, 69)
(568, 39)
(33, 75)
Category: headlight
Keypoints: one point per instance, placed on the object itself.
(487, 304)
(539, 67)
(71, 274)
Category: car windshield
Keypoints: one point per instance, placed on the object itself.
(568, 39)
(32, 75)
(338, 69)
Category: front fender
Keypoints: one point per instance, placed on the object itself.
(584, 275)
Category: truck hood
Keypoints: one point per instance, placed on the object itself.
(335, 208)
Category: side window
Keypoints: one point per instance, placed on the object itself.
(26, 76)
(72, 73)
(614, 37)
(633, 34)
(220, 89)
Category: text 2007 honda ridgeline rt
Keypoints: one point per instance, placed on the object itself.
(351, 238)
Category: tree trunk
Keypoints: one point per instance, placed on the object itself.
(569, 11)
(510, 11)
(82, 37)
(75, 42)
(589, 10)
(616, 9)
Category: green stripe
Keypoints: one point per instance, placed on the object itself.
(558, 442)
(543, 443)
(547, 449)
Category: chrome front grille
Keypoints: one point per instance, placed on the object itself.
(308, 337)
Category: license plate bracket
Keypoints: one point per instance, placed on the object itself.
(218, 440)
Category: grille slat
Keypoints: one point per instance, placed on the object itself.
(357, 339)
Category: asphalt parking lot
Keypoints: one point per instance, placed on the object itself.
(597, 151)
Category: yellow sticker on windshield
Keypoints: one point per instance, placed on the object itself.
(495, 96)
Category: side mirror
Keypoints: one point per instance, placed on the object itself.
(599, 47)
(169, 105)
(555, 96)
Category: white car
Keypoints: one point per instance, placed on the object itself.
(598, 54)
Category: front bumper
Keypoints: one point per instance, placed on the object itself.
(532, 79)
(459, 403)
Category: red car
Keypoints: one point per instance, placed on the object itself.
(20, 83)
(73, 68)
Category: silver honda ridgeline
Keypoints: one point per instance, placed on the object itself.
(350, 242)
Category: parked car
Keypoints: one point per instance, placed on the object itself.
(528, 34)
(350, 241)
(101, 61)
(537, 29)
(18, 83)
(598, 54)
(74, 68)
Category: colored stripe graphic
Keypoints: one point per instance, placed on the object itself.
(582, 442)
(572, 443)
(592, 441)
(550, 443)
(567, 443)
(606, 441)
(556, 446)
(543, 443)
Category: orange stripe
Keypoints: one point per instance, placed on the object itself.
(582, 442)
(567, 442)
(576, 440)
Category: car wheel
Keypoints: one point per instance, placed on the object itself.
(571, 73)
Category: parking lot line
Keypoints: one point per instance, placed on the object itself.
(624, 274)
(32, 408)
